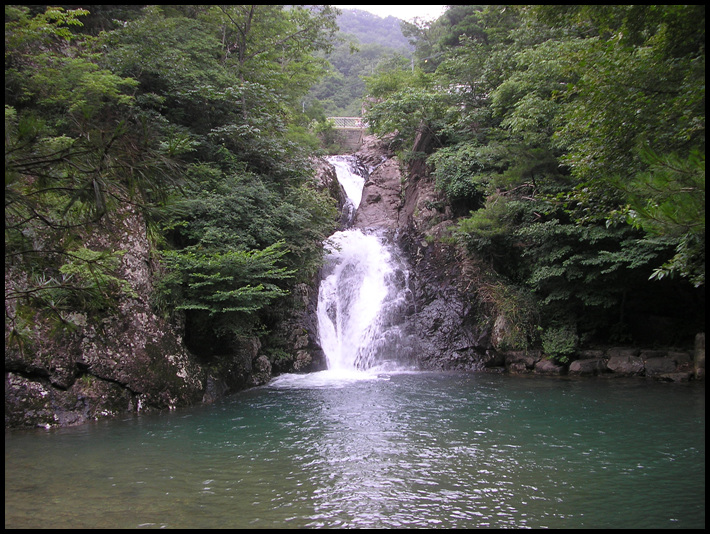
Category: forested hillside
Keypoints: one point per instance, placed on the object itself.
(371, 29)
(365, 43)
(190, 116)
(568, 146)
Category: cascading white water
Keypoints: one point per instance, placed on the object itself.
(363, 291)
(348, 175)
(351, 297)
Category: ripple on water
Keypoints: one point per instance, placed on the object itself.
(410, 451)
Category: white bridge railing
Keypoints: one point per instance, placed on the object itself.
(348, 122)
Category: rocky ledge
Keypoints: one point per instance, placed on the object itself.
(669, 365)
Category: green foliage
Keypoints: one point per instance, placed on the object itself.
(190, 115)
(371, 29)
(466, 172)
(73, 157)
(276, 46)
(669, 201)
(329, 136)
(23, 31)
(575, 133)
(576, 136)
(86, 281)
(230, 287)
(365, 42)
(240, 244)
(519, 310)
(94, 271)
(490, 232)
(581, 262)
(244, 211)
(406, 110)
(560, 342)
(637, 88)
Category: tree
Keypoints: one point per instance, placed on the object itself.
(557, 126)
(668, 201)
(170, 115)
(74, 157)
(269, 45)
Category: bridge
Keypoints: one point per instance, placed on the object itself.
(352, 130)
(346, 123)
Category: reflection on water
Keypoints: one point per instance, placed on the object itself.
(418, 450)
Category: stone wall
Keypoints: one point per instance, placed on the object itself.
(350, 139)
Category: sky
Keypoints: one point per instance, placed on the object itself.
(402, 12)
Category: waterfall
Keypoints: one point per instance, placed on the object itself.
(364, 292)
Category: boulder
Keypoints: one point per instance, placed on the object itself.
(626, 365)
(622, 351)
(658, 366)
(381, 198)
(589, 354)
(548, 367)
(588, 367)
(518, 368)
(528, 359)
(647, 354)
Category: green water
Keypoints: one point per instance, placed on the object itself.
(420, 450)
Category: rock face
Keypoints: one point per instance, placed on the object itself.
(450, 324)
(125, 360)
(442, 323)
(128, 359)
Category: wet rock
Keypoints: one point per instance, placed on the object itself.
(679, 376)
(548, 367)
(626, 365)
(27, 403)
(526, 358)
(518, 368)
(588, 367)
(444, 333)
(261, 373)
(648, 354)
(589, 354)
(381, 198)
(107, 362)
(658, 366)
(680, 357)
(622, 351)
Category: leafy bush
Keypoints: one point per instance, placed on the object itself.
(560, 342)
(229, 287)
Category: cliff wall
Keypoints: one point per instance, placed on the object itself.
(402, 200)
(87, 366)
(81, 366)
(455, 321)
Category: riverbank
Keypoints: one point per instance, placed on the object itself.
(666, 365)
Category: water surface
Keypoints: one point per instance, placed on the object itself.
(428, 450)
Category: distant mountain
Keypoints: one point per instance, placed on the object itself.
(375, 39)
(371, 29)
